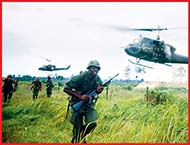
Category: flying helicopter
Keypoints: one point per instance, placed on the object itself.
(154, 50)
(51, 67)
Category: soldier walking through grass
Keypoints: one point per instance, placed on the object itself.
(8, 88)
(76, 87)
(36, 86)
(49, 86)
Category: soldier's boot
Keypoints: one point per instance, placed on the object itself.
(79, 141)
(87, 129)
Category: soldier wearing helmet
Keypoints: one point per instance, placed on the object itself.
(8, 88)
(36, 86)
(76, 87)
(49, 86)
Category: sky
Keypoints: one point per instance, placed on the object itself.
(74, 33)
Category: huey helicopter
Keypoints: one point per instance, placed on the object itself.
(51, 67)
(154, 50)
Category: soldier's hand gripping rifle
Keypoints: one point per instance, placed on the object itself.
(93, 95)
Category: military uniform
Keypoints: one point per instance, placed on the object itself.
(36, 86)
(49, 86)
(82, 84)
(8, 88)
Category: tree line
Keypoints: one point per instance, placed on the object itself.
(29, 78)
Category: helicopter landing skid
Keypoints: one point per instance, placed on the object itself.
(167, 64)
(137, 63)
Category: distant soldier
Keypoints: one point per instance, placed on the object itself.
(8, 88)
(49, 86)
(36, 86)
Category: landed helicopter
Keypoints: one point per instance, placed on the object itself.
(51, 67)
(154, 50)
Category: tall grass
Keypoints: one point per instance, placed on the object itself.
(124, 117)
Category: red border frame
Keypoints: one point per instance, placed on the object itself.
(94, 1)
(90, 1)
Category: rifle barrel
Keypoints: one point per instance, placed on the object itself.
(106, 83)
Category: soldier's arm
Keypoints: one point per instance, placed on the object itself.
(14, 82)
(15, 85)
(74, 83)
(72, 92)
(76, 94)
(100, 88)
(31, 85)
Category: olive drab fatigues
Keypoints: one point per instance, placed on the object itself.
(8, 89)
(82, 84)
(36, 86)
(49, 87)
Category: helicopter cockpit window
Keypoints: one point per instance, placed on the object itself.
(146, 42)
(137, 40)
(143, 41)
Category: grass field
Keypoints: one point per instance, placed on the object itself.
(124, 117)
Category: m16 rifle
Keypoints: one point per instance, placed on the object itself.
(93, 96)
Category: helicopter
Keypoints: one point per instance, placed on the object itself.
(154, 50)
(51, 67)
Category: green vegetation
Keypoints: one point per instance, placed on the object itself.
(124, 117)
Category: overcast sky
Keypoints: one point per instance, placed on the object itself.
(75, 33)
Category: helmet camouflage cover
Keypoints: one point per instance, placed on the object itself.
(93, 63)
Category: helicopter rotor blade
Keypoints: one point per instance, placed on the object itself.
(152, 29)
(143, 30)
(46, 59)
(124, 29)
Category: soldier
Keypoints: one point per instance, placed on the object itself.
(49, 86)
(8, 88)
(77, 87)
(36, 86)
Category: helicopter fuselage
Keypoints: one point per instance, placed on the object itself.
(154, 51)
(52, 68)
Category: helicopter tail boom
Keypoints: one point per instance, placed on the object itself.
(177, 58)
(63, 68)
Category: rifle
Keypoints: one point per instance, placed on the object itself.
(93, 95)
(16, 85)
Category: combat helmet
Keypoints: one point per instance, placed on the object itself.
(9, 76)
(93, 63)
